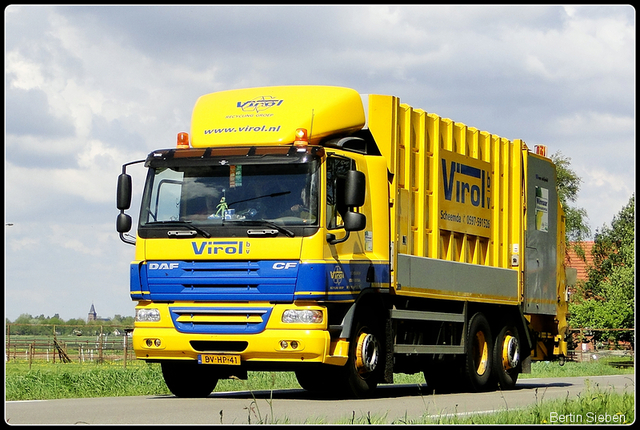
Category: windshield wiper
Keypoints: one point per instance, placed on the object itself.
(283, 193)
(181, 223)
(271, 224)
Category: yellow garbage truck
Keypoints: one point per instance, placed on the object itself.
(343, 237)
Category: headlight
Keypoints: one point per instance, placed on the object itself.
(304, 316)
(147, 315)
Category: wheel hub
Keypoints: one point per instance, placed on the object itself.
(510, 352)
(481, 353)
(367, 353)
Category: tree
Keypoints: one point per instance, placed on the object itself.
(606, 301)
(18, 325)
(568, 183)
(120, 320)
(26, 324)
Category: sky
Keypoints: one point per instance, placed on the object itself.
(90, 88)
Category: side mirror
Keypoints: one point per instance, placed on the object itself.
(354, 188)
(123, 223)
(354, 221)
(123, 202)
(353, 197)
(123, 192)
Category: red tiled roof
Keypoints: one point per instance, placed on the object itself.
(572, 260)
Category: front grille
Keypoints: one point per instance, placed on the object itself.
(218, 281)
(220, 320)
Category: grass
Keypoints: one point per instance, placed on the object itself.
(594, 406)
(60, 381)
(551, 369)
(75, 380)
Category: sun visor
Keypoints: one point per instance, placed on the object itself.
(271, 115)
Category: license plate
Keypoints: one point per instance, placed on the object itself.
(233, 360)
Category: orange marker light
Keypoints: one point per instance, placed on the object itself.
(541, 150)
(183, 140)
(301, 137)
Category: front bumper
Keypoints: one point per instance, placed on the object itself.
(275, 342)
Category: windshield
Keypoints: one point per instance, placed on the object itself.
(224, 194)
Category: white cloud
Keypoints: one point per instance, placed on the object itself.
(610, 182)
(537, 67)
(62, 267)
(599, 124)
(90, 88)
(81, 240)
(23, 243)
(27, 73)
(91, 178)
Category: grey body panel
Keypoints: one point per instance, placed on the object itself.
(468, 281)
(540, 292)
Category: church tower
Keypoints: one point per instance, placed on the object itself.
(92, 314)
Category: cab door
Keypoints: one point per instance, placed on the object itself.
(355, 260)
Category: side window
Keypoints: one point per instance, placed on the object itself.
(164, 204)
(337, 168)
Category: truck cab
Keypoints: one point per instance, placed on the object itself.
(250, 253)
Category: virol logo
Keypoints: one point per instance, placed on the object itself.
(259, 104)
(471, 184)
(221, 247)
(337, 275)
(465, 194)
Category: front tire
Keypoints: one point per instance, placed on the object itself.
(365, 365)
(319, 379)
(188, 378)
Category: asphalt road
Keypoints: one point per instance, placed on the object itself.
(394, 403)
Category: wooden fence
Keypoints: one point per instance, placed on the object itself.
(100, 343)
(105, 343)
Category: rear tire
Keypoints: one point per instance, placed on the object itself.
(507, 357)
(443, 376)
(188, 378)
(479, 355)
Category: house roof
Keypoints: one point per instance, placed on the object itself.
(572, 260)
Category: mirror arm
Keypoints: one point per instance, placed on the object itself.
(331, 238)
(126, 239)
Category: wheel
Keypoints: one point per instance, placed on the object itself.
(507, 357)
(479, 353)
(318, 379)
(365, 364)
(188, 378)
(443, 375)
(310, 380)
